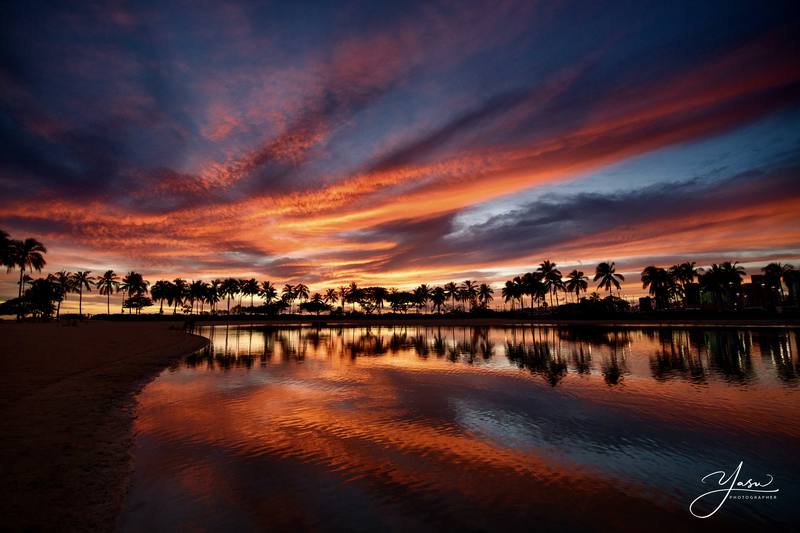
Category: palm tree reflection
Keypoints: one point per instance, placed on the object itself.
(691, 355)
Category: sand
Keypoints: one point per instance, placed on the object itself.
(67, 399)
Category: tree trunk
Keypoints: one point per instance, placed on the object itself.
(80, 302)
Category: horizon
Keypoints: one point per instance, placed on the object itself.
(399, 144)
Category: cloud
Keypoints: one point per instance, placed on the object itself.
(351, 147)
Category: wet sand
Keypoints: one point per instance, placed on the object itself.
(67, 398)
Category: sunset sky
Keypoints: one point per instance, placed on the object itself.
(399, 143)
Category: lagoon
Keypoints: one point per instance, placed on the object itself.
(467, 428)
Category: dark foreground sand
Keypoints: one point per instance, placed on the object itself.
(67, 394)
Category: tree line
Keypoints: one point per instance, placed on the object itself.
(545, 287)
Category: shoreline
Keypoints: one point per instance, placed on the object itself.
(325, 321)
(68, 400)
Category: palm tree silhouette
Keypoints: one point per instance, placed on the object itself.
(685, 273)
(82, 280)
(229, 288)
(134, 285)
(64, 281)
(5, 249)
(268, 292)
(160, 292)
(353, 294)
(721, 280)
(212, 294)
(452, 292)
(577, 282)
(468, 292)
(107, 284)
(773, 275)
(196, 292)
(27, 255)
(180, 290)
(342, 291)
(421, 296)
(251, 288)
(509, 292)
(288, 294)
(551, 277)
(660, 283)
(606, 274)
(330, 296)
(438, 298)
(485, 294)
(301, 291)
(379, 295)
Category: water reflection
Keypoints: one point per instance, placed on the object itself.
(420, 428)
(552, 353)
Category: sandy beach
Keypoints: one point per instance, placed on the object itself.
(67, 394)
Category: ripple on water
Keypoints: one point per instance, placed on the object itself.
(478, 427)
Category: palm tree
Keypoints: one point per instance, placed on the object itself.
(27, 255)
(211, 296)
(229, 288)
(551, 277)
(301, 291)
(134, 285)
(791, 278)
(251, 288)
(660, 283)
(180, 290)
(108, 284)
(577, 282)
(288, 295)
(379, 296)
(773, 275)
(330, 296)
(685, 273)
(606, 274)
(438, 298)
(485, 294)
(512, 291)
(63, 280)
(160, 292)
(421, 296)
(5, 249)
(452, 292)
(353, 294)
(468, 291)
(196, 292)
(721, 280)
(268, 292)
(342, 291)
(82, 280)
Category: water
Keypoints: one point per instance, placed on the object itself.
(413, 428)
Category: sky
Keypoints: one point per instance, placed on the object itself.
(399, 143)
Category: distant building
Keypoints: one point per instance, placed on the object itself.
(757, 294)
